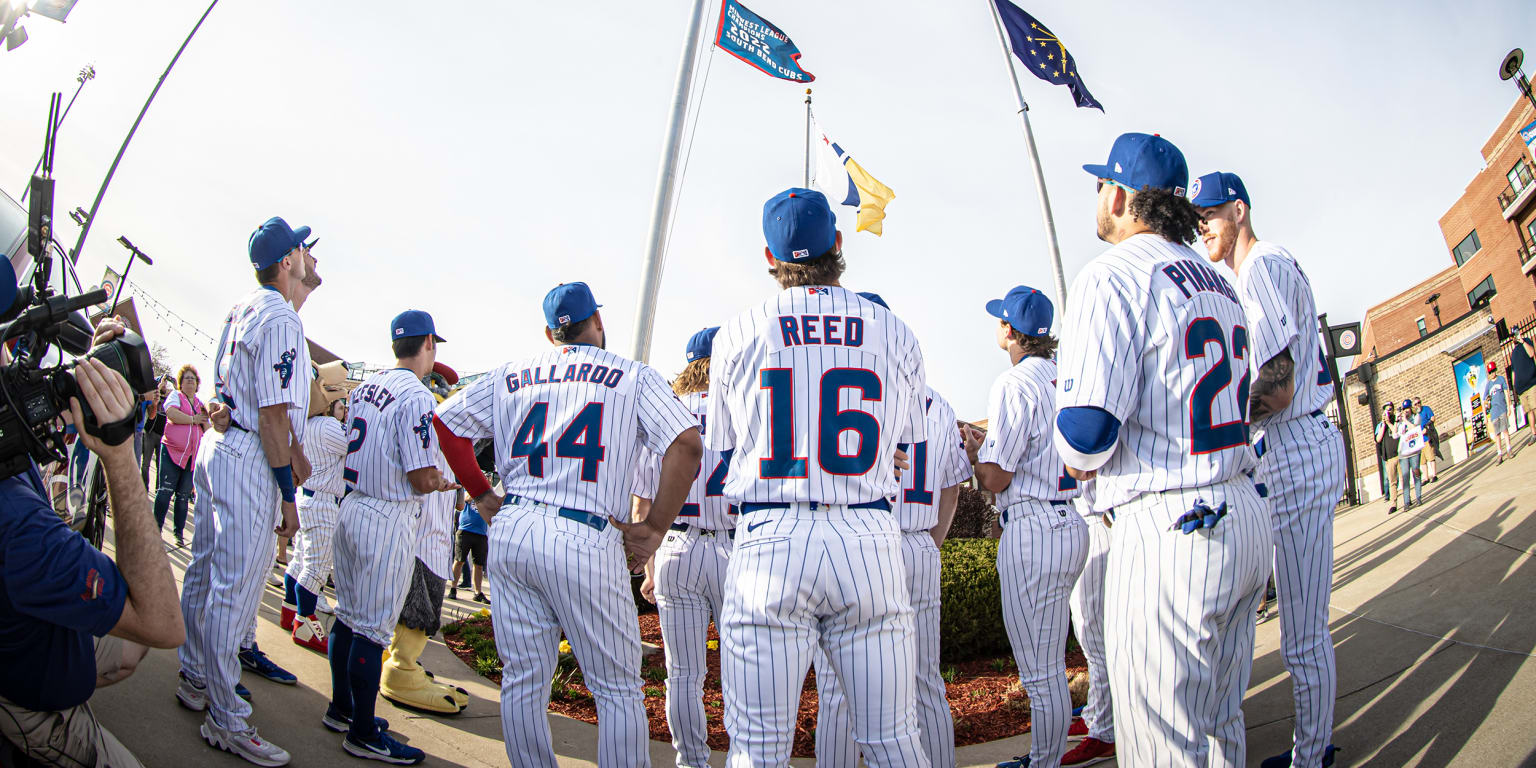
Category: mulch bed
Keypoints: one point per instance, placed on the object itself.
(984, 695)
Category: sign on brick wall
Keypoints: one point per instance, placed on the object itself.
(1469, 391)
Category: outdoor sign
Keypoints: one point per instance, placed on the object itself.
(1345, 338)
(1528, 135)
(1469, 392)
(110, 280)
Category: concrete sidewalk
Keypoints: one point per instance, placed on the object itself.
(1433, 651)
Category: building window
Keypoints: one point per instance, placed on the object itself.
(1423, 329)
(1530, 228)
(1468, 246)
(1482, 293)
(1519, 176)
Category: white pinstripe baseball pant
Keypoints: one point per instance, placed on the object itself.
(312, 556)
(835, 747)
(690, 590)
(1303, 470)
(194, 583)
(830, 577)
(1088, 624)
(550, 573)
(1180, 609)
(244, 510)
(375, 557)
(1042, 552)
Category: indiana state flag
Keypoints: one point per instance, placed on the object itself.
(845, 181)
(1043, 54)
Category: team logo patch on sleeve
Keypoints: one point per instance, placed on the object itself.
(94, 584)
(284, 367)
(423, 430)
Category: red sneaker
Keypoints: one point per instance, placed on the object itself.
(309, 633)
(290, 612)
(1077, 730)
(1089, 752)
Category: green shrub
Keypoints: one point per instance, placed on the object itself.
(971, 622)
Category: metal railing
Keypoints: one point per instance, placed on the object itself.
(1514, 190)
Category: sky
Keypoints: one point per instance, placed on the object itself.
(465, 158)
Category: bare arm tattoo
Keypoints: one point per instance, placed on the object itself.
(1273, 390)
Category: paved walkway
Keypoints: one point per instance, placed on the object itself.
(1432, 654)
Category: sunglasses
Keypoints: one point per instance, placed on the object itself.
(1099, 187)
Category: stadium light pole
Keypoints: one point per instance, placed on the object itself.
(90, 217)
(86, 74)
(1510, 69)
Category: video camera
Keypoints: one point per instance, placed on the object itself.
(36, 387)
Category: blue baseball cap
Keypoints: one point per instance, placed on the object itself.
(700, 344)
(273, 240)
(799, 225)
(413, 322)
(1027, 310)
(568, 303)
(1141, 160)
(1216, 188)
(874, 297)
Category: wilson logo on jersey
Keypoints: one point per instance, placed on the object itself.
(423, 430)
(284, 368)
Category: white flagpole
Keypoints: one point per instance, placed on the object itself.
(666, 178)
(1034, 162)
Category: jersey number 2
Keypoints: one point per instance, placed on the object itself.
(782, 462)
(359, 431)
(581, 440)
(1205, 435)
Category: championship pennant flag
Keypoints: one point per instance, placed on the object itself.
(751, 38)
(845, 181)
(1043, 53)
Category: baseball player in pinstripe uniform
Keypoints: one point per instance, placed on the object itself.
(1044, 540)
(686, 578)
(569, 426)
(405, 681)
(813, 389)
(1302, 464)
(1155, 368)
(924, 509)
(247, 480)
(1096, 727)
(391, 464)
(325, 441)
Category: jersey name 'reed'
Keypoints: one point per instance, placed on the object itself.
(837, 330)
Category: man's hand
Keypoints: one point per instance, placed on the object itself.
(111, 400)
(488, 504)
(290, 524)
(901, 463)
(648, 587)
(108, 330)
(218, 416)
(640, 542)
(301, 466)
(973, 438)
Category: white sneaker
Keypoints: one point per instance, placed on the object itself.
(247, 744)
(191, 695)
(323, 605)
(275, 580)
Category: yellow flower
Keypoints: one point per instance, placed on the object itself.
(565, 646)
(484, 612)
(713, 645)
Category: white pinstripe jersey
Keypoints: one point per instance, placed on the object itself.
(325, 445)
(814, 388)
(434, 531)
(937, 463)
(1155, 336)
(1282, 314)
(260, 356)
(391, 434)
(707, 506)
(1021, 419)
(569, 424)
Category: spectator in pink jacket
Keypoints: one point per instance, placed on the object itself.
(185, 420)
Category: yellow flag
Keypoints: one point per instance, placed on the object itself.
(873, 196)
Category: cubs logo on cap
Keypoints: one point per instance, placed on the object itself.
(799, 225)
(1217, 188)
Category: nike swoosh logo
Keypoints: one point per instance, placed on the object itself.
(757, 525)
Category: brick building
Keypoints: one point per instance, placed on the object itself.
(1490, 240)
(1424, 369)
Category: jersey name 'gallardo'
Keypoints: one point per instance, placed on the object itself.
(586, 372)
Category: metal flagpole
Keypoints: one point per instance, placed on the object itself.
(1034, 162)
(90, 218)
(666, 177)
(807, 183)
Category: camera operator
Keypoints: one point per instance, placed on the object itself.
(71, 620)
